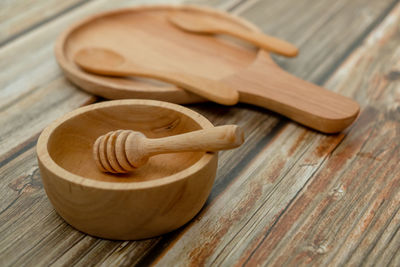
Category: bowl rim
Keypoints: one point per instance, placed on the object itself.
(50, 165)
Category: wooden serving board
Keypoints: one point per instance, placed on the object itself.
(144, 35)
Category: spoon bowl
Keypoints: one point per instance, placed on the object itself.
(109, 62)
(89, 58)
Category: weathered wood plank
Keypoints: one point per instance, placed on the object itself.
(58, 242)
(222, 182)
(19, 16)
(276, 164)
(343, 199)
(344, 188)
(38, 85)
(33, 234)
(220, 186)
(301, 22)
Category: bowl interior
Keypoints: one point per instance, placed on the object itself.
(70, 144)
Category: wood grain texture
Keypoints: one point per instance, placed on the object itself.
(278, 165)
(324, 41)
(38, 84)
(316, 199)
(20, 16)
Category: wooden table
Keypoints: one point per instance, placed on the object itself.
(290, 196)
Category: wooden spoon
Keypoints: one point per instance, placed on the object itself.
(122, 151)
(212, 25)
(111, 63)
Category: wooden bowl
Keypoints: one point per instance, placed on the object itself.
(157, 198)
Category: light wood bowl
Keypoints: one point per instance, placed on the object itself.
(157, 198)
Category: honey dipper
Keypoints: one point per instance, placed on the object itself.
(123, 151)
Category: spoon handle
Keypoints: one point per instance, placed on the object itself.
(210, 89)
(212, 139)
(264, 41)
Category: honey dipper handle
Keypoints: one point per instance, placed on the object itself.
(212, 139)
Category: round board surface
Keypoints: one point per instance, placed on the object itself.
(145, 36)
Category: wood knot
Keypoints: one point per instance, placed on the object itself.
(393, 75)
(27, 183)
(322, 249)
(167, 127)
(337, 193)
(318, 248)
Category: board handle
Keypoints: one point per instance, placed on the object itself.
(269, 86)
